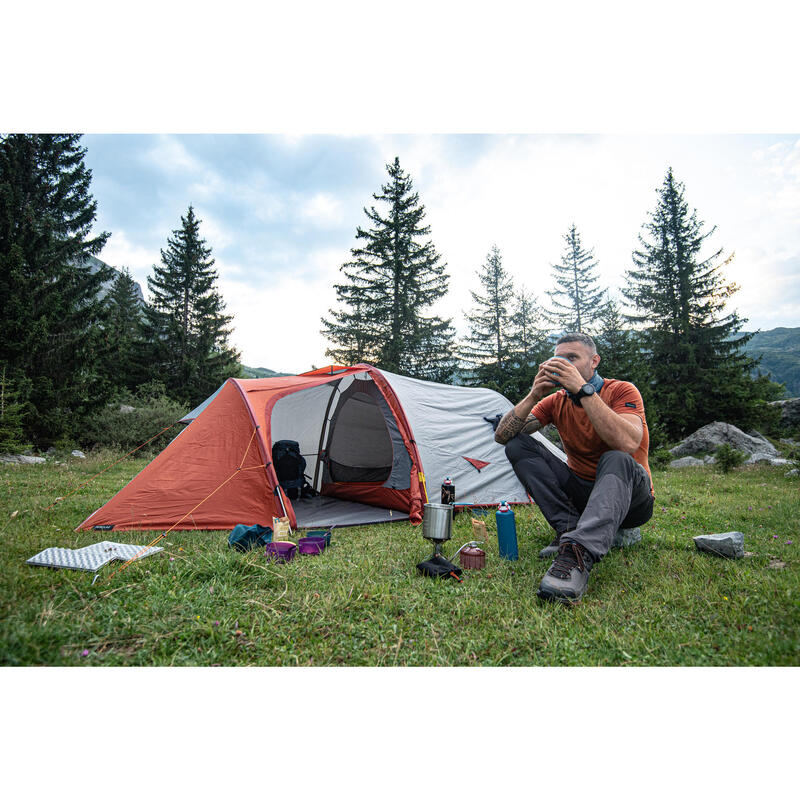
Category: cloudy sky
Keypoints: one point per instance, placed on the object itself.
(280, 213)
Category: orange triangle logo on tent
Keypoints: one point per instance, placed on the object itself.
(477, 463)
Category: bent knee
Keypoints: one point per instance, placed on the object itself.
(514, 449)
(616, 459)
(522, 446)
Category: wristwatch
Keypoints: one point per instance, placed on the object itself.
(585, 391)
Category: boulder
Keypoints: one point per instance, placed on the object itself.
(792, 472)
(728, 545)
(126, 409)
(758, 458)
(712, 436)
(77, 454)
(790, 412)
(625, 537)
(8, 458)
(687, 461)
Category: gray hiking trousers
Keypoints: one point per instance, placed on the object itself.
(587, 512)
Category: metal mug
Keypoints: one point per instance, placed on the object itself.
(437, 522)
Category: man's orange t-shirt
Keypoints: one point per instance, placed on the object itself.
(581, 443)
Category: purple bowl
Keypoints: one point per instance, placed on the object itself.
(280, 551)
(324, 535)
(310, 546)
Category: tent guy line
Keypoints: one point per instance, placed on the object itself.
(122, 458)
(188, 513)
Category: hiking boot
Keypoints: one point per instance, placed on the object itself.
(551, 549)
(568, 576)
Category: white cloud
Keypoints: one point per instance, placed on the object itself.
(322, 210)
(277, 322)
(216, 234)
(121, 252)
(170, 155)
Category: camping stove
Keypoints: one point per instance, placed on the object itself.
(437, 524)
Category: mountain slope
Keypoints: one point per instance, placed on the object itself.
(780, 355)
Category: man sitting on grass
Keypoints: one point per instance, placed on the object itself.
(605, 484)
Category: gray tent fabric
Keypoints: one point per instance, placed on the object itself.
(449, 427)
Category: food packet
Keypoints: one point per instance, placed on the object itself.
(479, 530)
(281, 530)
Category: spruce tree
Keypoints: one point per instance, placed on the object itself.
(697, 368)
(185, 333)
(577, 300)
(529, 344)
(51, 327)
(12, 436)
(620, 348)
(485, 351)
(123, 332)
(392, 280)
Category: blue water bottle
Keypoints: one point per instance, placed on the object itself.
(506, 532)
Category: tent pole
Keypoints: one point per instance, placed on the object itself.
(325, 423)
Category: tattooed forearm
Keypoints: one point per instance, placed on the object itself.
(510, 425)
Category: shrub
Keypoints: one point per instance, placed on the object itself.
(659, 437)
(794, 461)
(119, 429)
(728, 458)
(660, 458)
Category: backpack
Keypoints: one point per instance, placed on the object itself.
(290, 467)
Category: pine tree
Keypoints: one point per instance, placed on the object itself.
(698, 371)
(185, 333)
(51, 325)
(619, 348)
(350, 327)
(529, 344)
(485, 351)
(577, 301)
(123, 332)
(393, 277)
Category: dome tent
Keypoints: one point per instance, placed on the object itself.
(373, 443)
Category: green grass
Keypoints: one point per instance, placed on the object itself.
(659, 602)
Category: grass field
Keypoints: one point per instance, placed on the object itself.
(659, 602)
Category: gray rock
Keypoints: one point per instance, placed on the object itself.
(77, 454)
(728, 545)
(709, 460)
(687, 461)
(758, 458)
(625, 537)
(712, 436)
(792, 472)
(790, 412)
(126, 409)
(12, 459)
(790, 442)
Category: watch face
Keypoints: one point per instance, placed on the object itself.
(587, 389)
